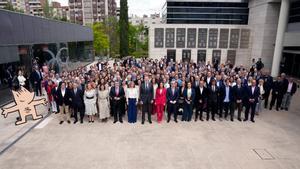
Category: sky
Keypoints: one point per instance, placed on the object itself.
(137, 7)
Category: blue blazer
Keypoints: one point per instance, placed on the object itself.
(171, 96)
(192, 95)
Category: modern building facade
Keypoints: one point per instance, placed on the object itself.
(25, 37)
(235, 30)
(32, 7)
(87, 12)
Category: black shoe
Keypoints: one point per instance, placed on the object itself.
(121, 121)
(195, 120)
(214, 119)
(245, 120)
(253, 120)
(61, 122)
(56, 112)
(115, 121)
(201, 119)
(81, 121)
(143, 122)
(231, 119)
(75, 121)
(93, 121)
(270, 108)
(239, 119)
(168, 121)
(286, 109)
(281, 108)
(150, 122)
(176, 121)
(69, 121)
(277, 109)
(207, 119)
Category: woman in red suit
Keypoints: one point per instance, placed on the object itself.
(160, 101)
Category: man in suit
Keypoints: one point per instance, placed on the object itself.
(64, 98)
(239, 97)
(289, 89)
(77, 102)
(228, 100)
(172, 97)
(252, 99)
(220, 85)
(277, 93)
(213, 92)
(201, 101)
(36, 79)
(146, 96)
(117, 94)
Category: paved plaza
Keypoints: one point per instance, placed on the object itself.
(273, 142)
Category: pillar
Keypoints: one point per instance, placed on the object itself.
(282, 23)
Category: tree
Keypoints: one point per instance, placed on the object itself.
(112, 30)
(123, 22)
(101, 43)
(48, 10)
(9, 6)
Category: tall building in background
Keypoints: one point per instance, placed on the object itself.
(230, 30)
(31, 7)
(89, 11)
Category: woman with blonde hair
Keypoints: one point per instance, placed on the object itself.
(90, 102)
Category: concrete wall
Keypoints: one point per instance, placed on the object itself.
(263, 20)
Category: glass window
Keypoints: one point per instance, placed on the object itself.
(213, 38)
(180, 38)
(191, 37)
(159, 37)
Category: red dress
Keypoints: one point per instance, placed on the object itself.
(160, 102)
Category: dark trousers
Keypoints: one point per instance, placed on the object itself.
(147, 108)
(266, 97)
(172, 109)
(118, 111)
(200, 110)
(187, 112)
(239, 107)
(220, 107)
(276, 98)
(81, 113)
(213, 108)
(38, 89)
(132, 109)
(251, 106)
(229, 106)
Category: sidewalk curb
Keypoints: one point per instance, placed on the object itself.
(22, 135)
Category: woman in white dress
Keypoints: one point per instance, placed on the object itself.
(90, 102)
(21, 78)
(103, 103)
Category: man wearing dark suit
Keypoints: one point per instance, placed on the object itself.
(239, 97)
(252, 99)
(146, 97)
(64, 98)
(201, 101)
(36, 79)
(172, 98)
(77, 102)
(277, 93)
(117, 94)
(228, 100)
(213, 99)
(220, 85)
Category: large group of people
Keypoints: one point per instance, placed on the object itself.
(151, 87)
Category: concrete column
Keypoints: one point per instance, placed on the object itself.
(282, 23)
